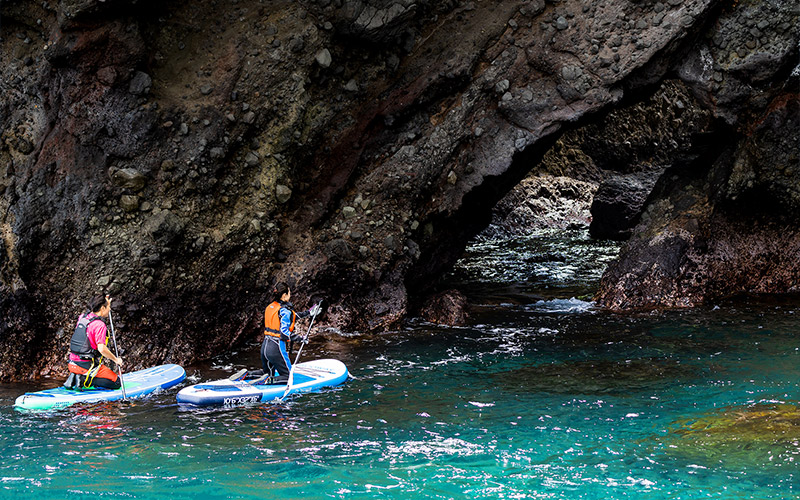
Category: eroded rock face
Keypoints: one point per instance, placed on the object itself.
(608, 166)
(723, 226)
(542, 202)
(271, 142)
(725, 222)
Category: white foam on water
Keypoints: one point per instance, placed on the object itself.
(437, 447)
(480, 405)
(562, 306)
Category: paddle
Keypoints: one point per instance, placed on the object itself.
(305, 338)
(116, 353)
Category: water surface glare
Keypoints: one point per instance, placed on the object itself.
(546, 398)
(692, 405)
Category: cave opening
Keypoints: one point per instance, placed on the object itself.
(570, 204)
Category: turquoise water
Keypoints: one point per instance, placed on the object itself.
(544, 398)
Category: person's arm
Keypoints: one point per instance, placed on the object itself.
(286, 322)
(105, 351)
(312, 311)
(98, 335)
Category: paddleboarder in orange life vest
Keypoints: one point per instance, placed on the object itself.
(279, 319)
(88, 347)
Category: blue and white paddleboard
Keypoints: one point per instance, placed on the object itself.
(308, 376)
(137, 384)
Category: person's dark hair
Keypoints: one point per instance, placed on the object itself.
(278, 290)
(97, 302)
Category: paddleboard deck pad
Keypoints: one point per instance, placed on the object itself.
(308, 376)
(137, 384)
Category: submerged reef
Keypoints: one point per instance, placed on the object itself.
(759, 433)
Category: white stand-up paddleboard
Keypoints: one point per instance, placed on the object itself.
(308, 376)
(137, 384)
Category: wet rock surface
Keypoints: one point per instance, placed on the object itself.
(448, 307)
(708, 234)
(186, 156)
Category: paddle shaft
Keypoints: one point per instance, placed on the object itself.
(116, 353)
(291, 371)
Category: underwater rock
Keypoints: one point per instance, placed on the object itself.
(739, 436)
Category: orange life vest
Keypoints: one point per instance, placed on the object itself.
(272, 320)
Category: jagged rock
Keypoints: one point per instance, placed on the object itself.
(251, 159)
(375, 20)
(108, 75)
(351, 86)
(339, 250)
(542, 202)
(297, 44)
(696, 245)
(282, 193)
(129, 203)
(324, 58)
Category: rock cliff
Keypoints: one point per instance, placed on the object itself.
(183, 155)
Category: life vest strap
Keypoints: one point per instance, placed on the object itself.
(84, 358)
(271, 332)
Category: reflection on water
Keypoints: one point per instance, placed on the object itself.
(541, 397)
(554, 264)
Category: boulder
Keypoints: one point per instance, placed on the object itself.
(129, 178)
(446, 308)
